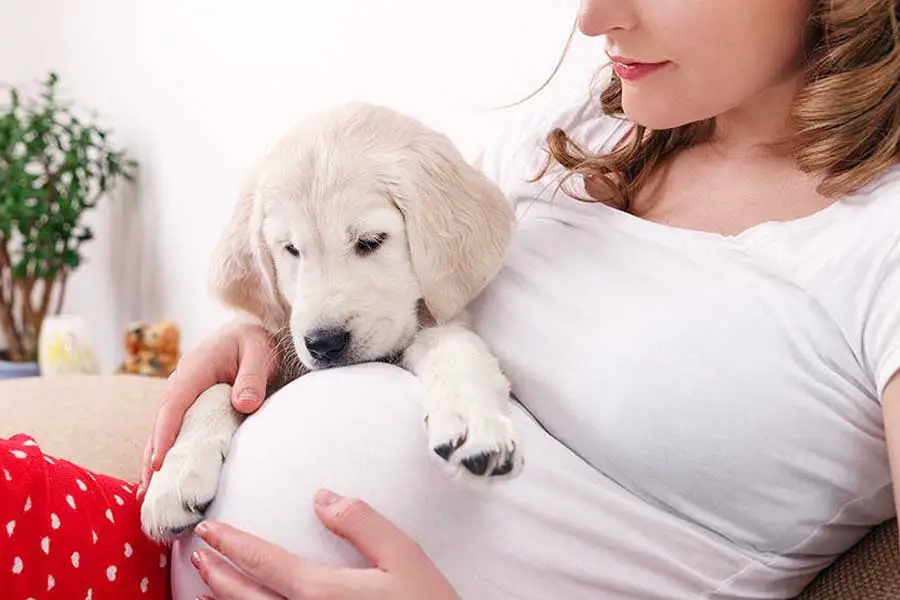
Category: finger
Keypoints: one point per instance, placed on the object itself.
(254, 367)
(145, 467)
(280, 570)
(226, 582)
(165, 429)
(383, 543)
(189, 380)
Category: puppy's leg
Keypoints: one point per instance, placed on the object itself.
(466, 400)
(187, 482)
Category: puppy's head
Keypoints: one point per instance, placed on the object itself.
(355, 222)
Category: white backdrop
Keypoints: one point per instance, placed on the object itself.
(196, 90)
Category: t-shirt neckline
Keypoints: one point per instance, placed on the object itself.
(661, 231)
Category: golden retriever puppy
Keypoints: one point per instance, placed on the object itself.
(362, 236)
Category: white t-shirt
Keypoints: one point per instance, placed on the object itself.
(731, 381)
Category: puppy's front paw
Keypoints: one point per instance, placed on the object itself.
(477, 442)
(181, 490)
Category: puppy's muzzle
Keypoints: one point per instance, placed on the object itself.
(328, 346)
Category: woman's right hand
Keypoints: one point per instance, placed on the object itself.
(239, 354)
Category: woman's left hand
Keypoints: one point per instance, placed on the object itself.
(401, 570)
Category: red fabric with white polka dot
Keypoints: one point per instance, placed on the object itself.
(71, 534)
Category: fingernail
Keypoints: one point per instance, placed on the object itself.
(140, 491)
(326, 497)
(153, 460)
(202, 528)
(195, 559)
(248, 396)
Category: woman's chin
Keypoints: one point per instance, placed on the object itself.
(657, 111)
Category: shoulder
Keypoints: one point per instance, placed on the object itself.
(858, 229)
(852, 265)
(870, 222)
(879, 197)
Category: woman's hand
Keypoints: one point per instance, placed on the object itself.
(239, 354)
(400, 571)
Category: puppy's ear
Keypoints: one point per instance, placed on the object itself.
(243, 273)
(458, 223)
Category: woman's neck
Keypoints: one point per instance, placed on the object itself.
(759, 124)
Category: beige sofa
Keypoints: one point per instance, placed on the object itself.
(102, 422)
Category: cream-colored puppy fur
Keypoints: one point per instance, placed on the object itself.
(361, 237)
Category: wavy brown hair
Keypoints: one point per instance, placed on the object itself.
(846, 114)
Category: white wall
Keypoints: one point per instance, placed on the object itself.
(196, 90)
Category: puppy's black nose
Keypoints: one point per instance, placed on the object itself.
(327, 345)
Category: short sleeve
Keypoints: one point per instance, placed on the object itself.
(881, 331)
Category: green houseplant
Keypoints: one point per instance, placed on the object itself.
(54, 167)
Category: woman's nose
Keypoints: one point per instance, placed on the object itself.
(599, 17)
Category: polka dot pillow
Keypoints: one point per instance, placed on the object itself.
(71, 534)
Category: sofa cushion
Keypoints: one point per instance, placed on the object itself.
(98, 421)
(869, 571)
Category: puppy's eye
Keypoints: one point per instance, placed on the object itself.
(368, 244)
(292, 250)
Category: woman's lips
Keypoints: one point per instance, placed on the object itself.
(632, 70)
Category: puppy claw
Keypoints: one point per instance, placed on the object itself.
(477, 465)
(186, 484)
(481, 446)
(180, 492)
(506, 467)
(445, 450)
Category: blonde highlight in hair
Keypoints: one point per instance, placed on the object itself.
(846, 113)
